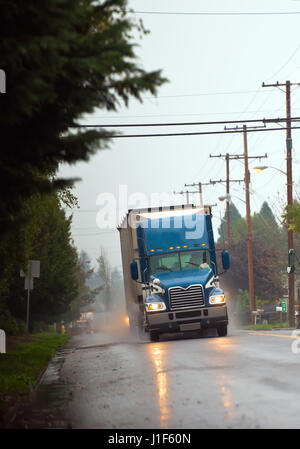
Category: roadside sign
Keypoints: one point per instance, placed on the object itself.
(33, 272)
(284, 305)
(33, 269)
(28, 283)
(2, 342)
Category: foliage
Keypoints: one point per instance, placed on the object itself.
(8, 323)
(266, 326)
(291, 217)
(85, 293)
(268, 248)
(62, 59)
(45, 236)
(267, 269)
(242, 306)
(23, 362)
(105, 274)
(234, 215)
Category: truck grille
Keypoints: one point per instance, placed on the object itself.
(190, 298)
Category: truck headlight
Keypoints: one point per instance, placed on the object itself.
(155, 306)
(217, 299)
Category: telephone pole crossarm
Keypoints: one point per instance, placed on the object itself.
(224, 180)
(187, 192)
(199, 184)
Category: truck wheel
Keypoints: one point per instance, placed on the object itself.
(154, 336)
(222, 331)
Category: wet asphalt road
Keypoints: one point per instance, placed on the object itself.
(109, 380)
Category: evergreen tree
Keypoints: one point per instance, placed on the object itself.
(234, 215)
(267, 214)
(265, 227)
(268, 245)
(48, 239)
(105, 275)
(62, 59)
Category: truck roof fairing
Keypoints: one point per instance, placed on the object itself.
(169, 234)
(135, 216)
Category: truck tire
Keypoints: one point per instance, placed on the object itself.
(154, 336)
(222, 331)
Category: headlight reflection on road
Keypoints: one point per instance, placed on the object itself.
(161, 380)
(222, 350)
(223, 345)
(226, 399)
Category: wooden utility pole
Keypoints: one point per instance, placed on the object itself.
(227, 157)
(291, 276)
(249, 227)
(199, 184)
(248, 216)
(227, 202)
(200, 191)
(187, 192)
(227, 181)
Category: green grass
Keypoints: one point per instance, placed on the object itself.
(266, 326)
(25, 359)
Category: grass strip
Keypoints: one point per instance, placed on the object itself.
(20, 367)
(265, 326)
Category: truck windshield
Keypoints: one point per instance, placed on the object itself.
(187, 260)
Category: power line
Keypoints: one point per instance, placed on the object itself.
(216, 122)
(278, 71)
(237, 92)
(184, 114)
(283, 65)
(184, 13)
(119, 136)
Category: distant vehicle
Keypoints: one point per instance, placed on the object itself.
(81, 327)
(170, 271)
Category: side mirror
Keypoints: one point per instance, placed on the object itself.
(225, 260)
(134, 270)
(291, 262)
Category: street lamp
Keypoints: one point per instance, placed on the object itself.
(260, 168)
(228, 198)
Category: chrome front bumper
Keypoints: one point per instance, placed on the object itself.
(183, 320)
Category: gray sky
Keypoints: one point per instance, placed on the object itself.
(215, 64)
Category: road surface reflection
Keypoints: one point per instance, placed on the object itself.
(157, 356)
(224, 348)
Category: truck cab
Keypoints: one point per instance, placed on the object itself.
(175, 269)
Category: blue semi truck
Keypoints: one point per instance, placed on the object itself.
(170, 271)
